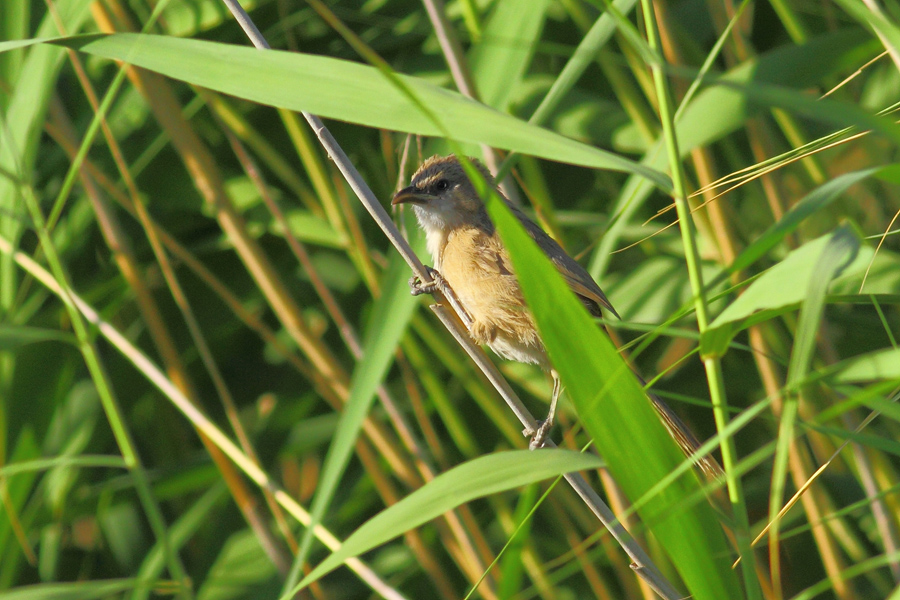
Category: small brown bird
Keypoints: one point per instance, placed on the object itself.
(471, 258)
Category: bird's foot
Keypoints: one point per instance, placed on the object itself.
(538, 437)
(417, 287)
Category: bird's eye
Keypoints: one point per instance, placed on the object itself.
(442, 185)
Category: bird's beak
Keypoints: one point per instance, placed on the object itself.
(412, 195)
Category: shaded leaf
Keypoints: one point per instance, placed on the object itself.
(16, 336)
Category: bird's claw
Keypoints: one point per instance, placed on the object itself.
(538, 437)
(418, 287)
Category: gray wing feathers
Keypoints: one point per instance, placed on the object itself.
(578, 279)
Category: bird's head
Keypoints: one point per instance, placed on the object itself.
(442, 195)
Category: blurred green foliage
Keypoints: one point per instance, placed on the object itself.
(84, 518)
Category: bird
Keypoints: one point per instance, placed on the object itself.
(470, 257)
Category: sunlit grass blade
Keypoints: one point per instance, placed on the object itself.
(502, 55)
(872, 366)
(838, 253)
(839, 250)
(617, 413)
(392, 313)
(343, 90)
(816, 200)
(12, 337)
(82, 590)
(479, 477)
(777, 290)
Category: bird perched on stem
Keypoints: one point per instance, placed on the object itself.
(470, 256)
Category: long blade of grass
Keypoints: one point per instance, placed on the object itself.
(43, 464)
(839, 252)
(16, 336)
(816, 200)
(479, 477)
(778, 289)
(393, 311)
(342, 90)
(836, 254)
(872, 366)
(81, 590)
(509, 39)
(617, 413)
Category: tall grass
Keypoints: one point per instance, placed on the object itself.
(207, 345)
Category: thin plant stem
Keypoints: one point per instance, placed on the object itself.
(353, 343)
(459, 69)
(107, 397)
(85, 313)
(712, 364)
(644, 566)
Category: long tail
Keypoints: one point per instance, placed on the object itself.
(684, 437)
(674, 425)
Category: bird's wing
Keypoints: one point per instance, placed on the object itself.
(574, 274)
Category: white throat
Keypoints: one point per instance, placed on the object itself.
(437, 225)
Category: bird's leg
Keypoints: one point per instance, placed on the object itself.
(543, 429)
(417, 287)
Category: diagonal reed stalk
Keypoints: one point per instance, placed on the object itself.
(644, 566)
(712, 364)
(185, 405)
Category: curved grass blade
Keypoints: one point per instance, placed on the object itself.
(79, 590)
(343, 90)
(872, 366)
(837, 253)
(816, 200)
(16, 336)
(480, 477)
(391, 315)
(777, 290)
(618, 414)
(501, 57)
